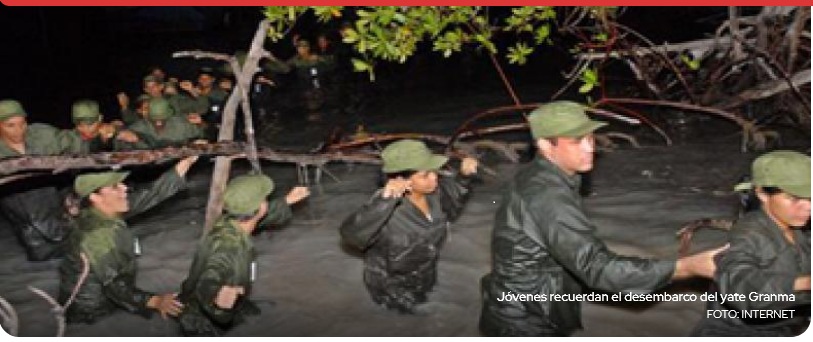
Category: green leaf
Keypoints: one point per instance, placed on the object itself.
(693, 64)
(585, 88)
(360, 65)
(590, 76)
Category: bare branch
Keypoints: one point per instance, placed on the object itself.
(9, 317)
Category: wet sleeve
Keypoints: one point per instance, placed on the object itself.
(129, 116)
(570, 237)
(361, 229)
(279, 213)
(218, 272)
(454, 191)
(68, 143)
(165, 186)
(739, 271)
(120, 288)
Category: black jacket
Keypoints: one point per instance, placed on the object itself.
(543, 243)
(400, 244)
(760, 261)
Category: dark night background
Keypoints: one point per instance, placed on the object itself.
(54, 56)
(309, 284)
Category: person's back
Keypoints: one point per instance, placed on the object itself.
(223, 257)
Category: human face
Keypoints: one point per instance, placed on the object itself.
(303, 50)
(424, 182)
(206, 81)
(153, 89)
(572, 155)
(111, 200)
(88, 130)
(13, 129)
(785, 209)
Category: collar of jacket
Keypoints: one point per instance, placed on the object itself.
(229, 224)
(573, 182)
(774, 231)
(94, 215)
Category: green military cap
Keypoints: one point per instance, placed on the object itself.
(152, 78)
(143, 98)
(10, 108)
(160, 109)
(206, 71)
(85, 111)
(303, 42)
(410, 155)
(86, 184)
(786, 170)
(245, 193)
(561, 119)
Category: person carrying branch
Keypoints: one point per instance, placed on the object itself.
(402, 227)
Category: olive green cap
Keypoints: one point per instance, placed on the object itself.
(561, 119)
(86, 184)
(245, 193)
(160, 109)
(786, 170)
(85, 111)
(410, 155)
(11, 108)
(152, 78)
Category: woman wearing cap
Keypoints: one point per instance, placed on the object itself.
(768, 263)
(402, 226)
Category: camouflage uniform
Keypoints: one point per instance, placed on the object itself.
(111, 250)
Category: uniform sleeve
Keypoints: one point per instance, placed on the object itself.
(739, 271)
(454, 192)
(218, 272)
(120, 288)
(44, 139)
(129, 116)
(361, 229)
(570, 236)
(279, 213)
(165, 186)
(68, 142)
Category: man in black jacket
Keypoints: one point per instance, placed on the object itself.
(544, 244)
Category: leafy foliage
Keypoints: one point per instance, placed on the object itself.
(394, 33)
